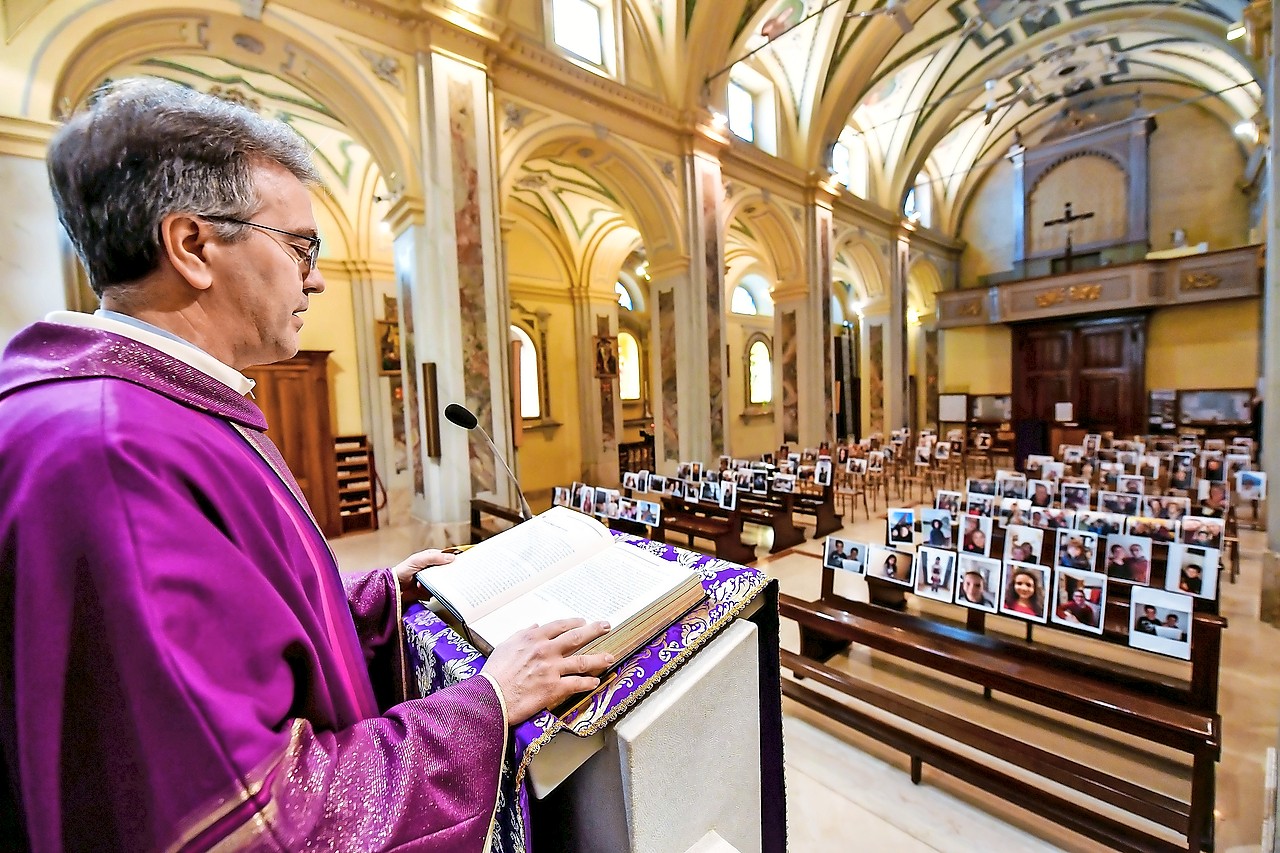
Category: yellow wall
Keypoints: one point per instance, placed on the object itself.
(976, 360)
(330, 325)
(1212, 345)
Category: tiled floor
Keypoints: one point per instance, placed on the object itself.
(846, 792)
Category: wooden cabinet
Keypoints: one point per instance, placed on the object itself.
(357, 486)
(294, 396)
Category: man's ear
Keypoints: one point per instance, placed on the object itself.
(187, 242)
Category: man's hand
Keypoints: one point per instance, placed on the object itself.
(410, 592)
(536, 668)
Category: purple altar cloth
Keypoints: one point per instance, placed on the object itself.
(440, 658)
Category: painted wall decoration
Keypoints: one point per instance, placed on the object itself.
(670, 399)
(469, 238)
(824, 300)
(787, 346)
(606, 372)
(875, 377)
(410, 378)
(711, 190)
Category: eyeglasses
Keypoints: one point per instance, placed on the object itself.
(305, 261)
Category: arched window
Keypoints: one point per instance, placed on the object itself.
(530, 395)
(742, 302)
(628, 366)
(624, 296)
(918, 206)
(759, 371)
(742, 111)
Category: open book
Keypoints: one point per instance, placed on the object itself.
(562, 565)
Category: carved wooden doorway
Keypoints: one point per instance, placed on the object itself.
(1099, 366)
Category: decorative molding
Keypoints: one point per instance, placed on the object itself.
(386, 68)
(1200, 281)
(21, 137)
(1075, 293)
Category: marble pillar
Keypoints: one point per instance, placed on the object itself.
(817, 359)
(1270, 438)
(453, 300)
(895, 338)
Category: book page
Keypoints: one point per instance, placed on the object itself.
(612, 586)
(481, 575)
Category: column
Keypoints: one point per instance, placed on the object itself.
(895, 336)
(1270, 381)
(595, 317)
(816, 396)
(453, 299)
(791, 314)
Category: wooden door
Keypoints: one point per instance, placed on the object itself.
(1099, 366)
(294, 397)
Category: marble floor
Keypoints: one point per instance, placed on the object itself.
(847, 792)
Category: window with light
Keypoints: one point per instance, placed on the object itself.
(578, 26)
(624, 296)
(628, 366)
(759, 374)
(742, 302)
(530, 395)
(742, 111)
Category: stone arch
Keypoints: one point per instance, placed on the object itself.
(776, 237)
(859, 261)
(99, 39)
(632, 181)
(923, 283)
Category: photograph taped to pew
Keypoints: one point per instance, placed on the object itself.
(975, 535)
(1040, 493)
(784, 484)
(1101, 523)
(1080, 599)
(675, 488)
(1011, 484)
(1160, 621)
(978, 578)
(844, 555)
(1118, 502)
(887, 564)
(947, 500)
(710, 492)
(1023, 544)
(1025, 591)
(1075, 496)
(1131, 484)
(936, 528)
(650, 513)
(1128, 559)
(822, 471)
(976, 503)
(657, 484)
(856, 465)
(630, 480)
(1166, 506)
(901, 524)
(1159, 529)
(975, 486)
(1201, 530)
(1077, 549)
(560, 497)
(1193, 569)
(935, 574)
(729, 495)
(1251, 485)
(1014, 511)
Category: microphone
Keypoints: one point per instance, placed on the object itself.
(463, 417)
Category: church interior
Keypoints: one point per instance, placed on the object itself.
(630, 234)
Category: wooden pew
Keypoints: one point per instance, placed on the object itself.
(819, 502)
(1161, 711)
(706, 521)
(479, 509)
(775, 512)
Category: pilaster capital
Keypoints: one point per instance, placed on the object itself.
(405, 212)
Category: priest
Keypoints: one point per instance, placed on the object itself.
(181, 664)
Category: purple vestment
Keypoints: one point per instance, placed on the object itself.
(181, 666)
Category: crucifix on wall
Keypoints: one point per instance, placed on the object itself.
(1068, 219)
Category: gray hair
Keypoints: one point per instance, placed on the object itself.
(148, 148)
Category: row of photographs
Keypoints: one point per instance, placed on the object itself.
(607, 503)
(1190, 529)
(717, 487)
(1161, 620)
(1128, 496)
(1164, 507)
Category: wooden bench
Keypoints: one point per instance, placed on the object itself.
(1179, 715)
(480, 509)
(706, 521)
(774, 512)
(822, 506)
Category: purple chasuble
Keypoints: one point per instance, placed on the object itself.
(182, 666)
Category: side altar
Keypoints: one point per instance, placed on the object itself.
(680, 747)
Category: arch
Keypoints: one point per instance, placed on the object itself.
(102, 39)
(632, 182)
(923, 283)
(775, 236)
(859, 262)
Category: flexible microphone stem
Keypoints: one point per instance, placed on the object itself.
(463, 417)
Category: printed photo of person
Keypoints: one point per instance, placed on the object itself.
(1040, 493)
(979, 504)
(657, 484)
(1053, 472)
(1251, 485)
(729, 495)
(1161, 622)
(1023, 543)
(1128, 559)
(949, 501)
(943, 451)
(650, 513)
(1158, 529)
(630, 480)
(710, 492)
(628, 509)
(1182, 471)
(784, 483)
(1213, 467)
(936, 527)
(676, 488)
(1014, 511)
(1026, 593)
(856, 465)
(1193, 570)
(889, 565)
(1011, 485)
(935, 574)
(1118, 502)
(1130, 484)
(1101, 523)
(1075, 496)
(760, 482)
(981, 487)
(977, 580)
(975, 535)
(1058, 519)
(1079, 600)
(835, 552)
(1202, 531)
(1077, 550)
(901, 527)
(822, 471)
